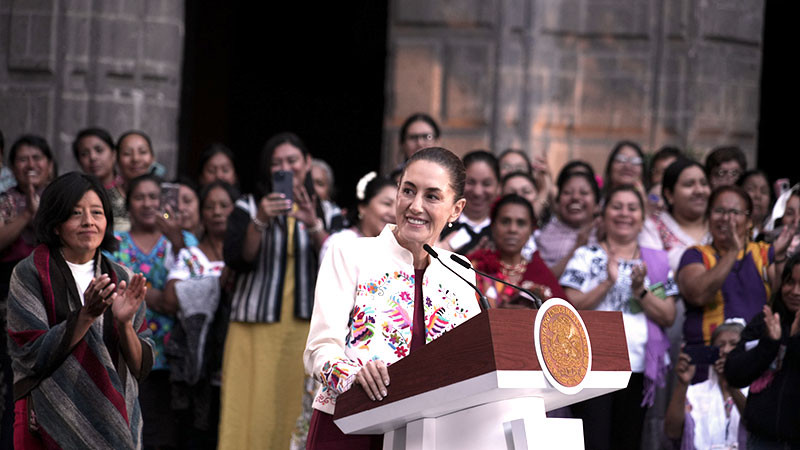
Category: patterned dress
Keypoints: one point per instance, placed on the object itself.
(155, 266)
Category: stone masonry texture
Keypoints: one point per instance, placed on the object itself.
(68, 64)
(566, 79)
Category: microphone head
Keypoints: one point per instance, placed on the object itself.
(460, 261)
(430, 251)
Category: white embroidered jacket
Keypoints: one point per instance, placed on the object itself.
(364, 309)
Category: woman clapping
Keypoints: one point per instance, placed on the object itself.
(77, 331)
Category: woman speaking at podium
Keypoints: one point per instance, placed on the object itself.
(378, 299)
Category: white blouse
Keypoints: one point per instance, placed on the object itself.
(364, 309)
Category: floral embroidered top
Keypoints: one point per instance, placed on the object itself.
(364, 309)
(155, 266)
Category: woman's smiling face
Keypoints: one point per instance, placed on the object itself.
(425, 203)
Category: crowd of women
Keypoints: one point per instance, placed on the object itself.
(187, 315)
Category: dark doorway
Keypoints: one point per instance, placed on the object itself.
(253, 69)
(776, 127)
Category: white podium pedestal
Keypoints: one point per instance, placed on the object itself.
(497, 410)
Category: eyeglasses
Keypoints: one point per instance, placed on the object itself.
(622, 159)
(420, 137)
(734, 212)
(722, 173)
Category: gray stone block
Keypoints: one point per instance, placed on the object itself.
(470, 71)
(170, 10)
(478, 13)
(163, 42)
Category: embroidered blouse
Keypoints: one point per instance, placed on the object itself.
(364, 309)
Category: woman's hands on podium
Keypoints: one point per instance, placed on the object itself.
(374, 378)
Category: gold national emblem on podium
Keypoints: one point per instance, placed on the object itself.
(564, 345)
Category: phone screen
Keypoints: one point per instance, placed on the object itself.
(169, 197)
(702, 354)
(282, 182)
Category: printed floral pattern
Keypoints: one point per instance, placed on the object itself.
(155, 267)
(389, 301)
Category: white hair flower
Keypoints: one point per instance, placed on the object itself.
(361, 187)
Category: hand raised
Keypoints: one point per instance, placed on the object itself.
(128, 298)
(169, 223)
(97, 297)
(684, 368)
(637, 277)
(305, 211)
(736, 240)
(773, 323)
(783, 240)
(273, 205)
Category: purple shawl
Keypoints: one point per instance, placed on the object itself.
(655, 367)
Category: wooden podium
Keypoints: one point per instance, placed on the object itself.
(481, 386)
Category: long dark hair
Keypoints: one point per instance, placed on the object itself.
(778, 304)
(264, 185)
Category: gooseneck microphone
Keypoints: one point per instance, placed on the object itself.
(432, 252)
(537, 301)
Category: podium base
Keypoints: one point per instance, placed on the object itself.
(513, 424)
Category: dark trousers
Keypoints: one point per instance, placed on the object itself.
(615, 420)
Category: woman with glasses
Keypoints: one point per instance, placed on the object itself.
(724, 165)
(733, 276)
(417, 132)
(625, 166)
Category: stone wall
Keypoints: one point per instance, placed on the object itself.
(68, 64)
(568, 78)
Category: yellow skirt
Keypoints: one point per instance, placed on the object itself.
(262, 383)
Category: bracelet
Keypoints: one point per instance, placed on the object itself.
(643, 293)
(318, 226)
(260, 226)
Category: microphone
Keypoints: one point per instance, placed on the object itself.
(484, 302)
(461, 262)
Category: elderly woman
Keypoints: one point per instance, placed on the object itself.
(619, 275)
(732, 277)
(76, 323)
(768, 360)
(706, 415)
(512, 224)
(344, 347)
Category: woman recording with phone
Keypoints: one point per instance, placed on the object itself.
(272, 243)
